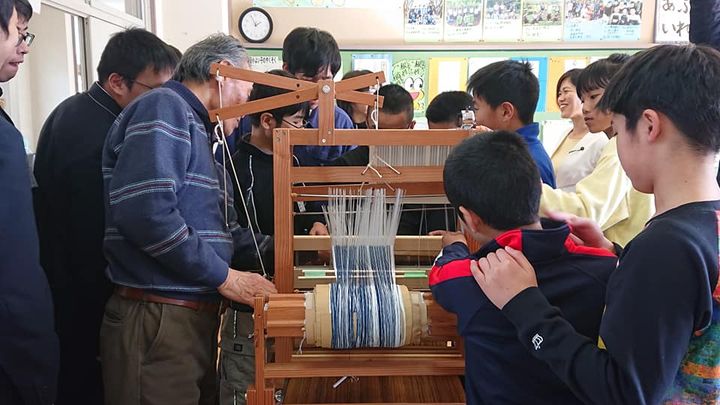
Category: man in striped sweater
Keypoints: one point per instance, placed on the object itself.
(170, 236)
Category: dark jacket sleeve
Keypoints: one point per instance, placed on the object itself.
(705, 22)
(453, 286)
(29, 352)
(652, 311)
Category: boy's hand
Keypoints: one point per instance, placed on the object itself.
(318, 228)
(448, 238)
(479, 129)
(503, 275)
(585, 231)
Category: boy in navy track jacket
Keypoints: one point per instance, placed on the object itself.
(498, 368)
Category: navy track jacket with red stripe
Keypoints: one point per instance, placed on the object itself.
(498, 367)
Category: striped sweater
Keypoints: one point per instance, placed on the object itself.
(166, 226)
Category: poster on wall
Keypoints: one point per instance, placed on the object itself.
(463, 20)
(539, 67)
(446, 74)
(625, 19)
(503, 20)
(374, 63)
(672, 21)
(475, 64)
(585, 20)
(423, 20)
(265, 63)
(412, 75)
(601, 20)
(323, 3)
(542, 20)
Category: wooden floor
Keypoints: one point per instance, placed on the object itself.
(378, 390)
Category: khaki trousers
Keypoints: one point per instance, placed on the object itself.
(158, 354)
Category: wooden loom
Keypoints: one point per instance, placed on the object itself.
(282, 315)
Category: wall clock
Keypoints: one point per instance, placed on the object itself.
(255, 25)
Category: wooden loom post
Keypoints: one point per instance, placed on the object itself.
(259, 393)
(282, 165)
(326, 111)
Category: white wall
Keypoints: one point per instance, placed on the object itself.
(182, 23)
(49, 66)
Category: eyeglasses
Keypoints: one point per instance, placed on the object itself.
(142, 84)
(302, 125)
(27, 37)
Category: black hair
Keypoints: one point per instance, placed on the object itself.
(24, 10)
(494, 176)
(310, 51)
(597, 75)
(447, 106)
(396, 100)
(6, 11)
(176, 51)
(571, 75)
(129, 52)
(507, 81)
(680, 82)
(346, 105)
(260, 91)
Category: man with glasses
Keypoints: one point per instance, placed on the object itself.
(10, 67)
(28, 343)
(69, 201)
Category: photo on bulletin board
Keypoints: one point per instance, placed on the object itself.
(542, 20)
(625, 21)
(375, 63)
(601, 20)
(265, 63)
(412, 74)
(540, 70)
(446, 74)
(672, 21)
(503, 20)
(585, 20)
(463, 20)
(423, 20)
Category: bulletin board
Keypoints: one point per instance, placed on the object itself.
(392, 24)
(426, 73)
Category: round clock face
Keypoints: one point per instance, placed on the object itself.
(255, 25)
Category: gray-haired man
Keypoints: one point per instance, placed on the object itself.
(168, 240)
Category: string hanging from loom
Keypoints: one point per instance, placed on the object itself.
(366, 308)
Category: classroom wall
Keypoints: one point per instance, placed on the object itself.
(185, 22)
(363, 28)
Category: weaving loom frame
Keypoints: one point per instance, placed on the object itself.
(282, 315)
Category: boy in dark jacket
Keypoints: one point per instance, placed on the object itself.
(254, 197)
(494, 183)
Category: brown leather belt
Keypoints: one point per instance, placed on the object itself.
(137, 294)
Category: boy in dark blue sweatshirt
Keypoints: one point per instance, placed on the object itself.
(505, 95)
(660, 332)
(493, 182)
